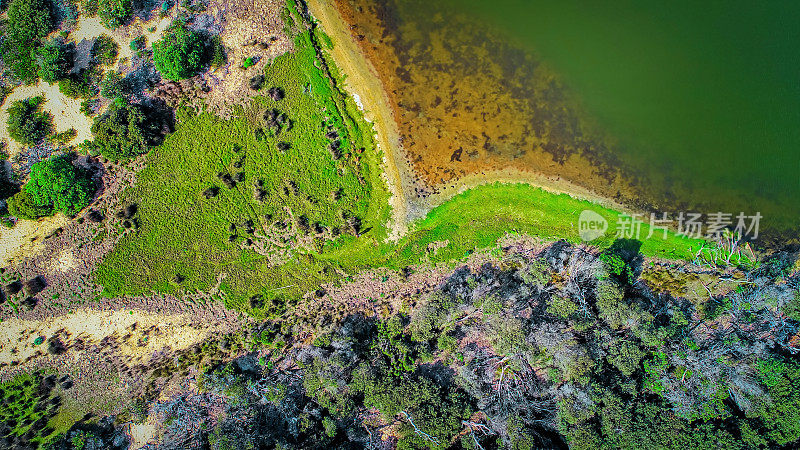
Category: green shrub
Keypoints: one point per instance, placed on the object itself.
(27, 123)
(24, 206)
(54, 61)
(625, 356)
(4, 92)
(780, 416)
(79, 85)
(180, 53)
(218, 55)
(28, 22)
(124, 131)
(561, 307)
(55, 184)
(248, 62)
(792, 308)
(435, 411)
(89, 107)
(65, 136)
(113, 85)
(105, 50)
(114, 13)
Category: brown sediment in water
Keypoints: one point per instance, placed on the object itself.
(465, 114)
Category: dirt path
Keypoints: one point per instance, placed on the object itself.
(26, 238)
(364, 85)
(176, 331)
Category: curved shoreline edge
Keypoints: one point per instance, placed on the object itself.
(364, 84)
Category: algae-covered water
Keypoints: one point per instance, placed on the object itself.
(696, 103)
(707, 91)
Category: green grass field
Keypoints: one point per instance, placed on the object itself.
(304, 184)
(185, 240)
(476, 219)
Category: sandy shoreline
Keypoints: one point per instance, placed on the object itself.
(365, 85)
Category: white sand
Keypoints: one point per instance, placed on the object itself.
(16, 242)
(175, 331)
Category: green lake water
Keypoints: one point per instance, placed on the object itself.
(703, 98)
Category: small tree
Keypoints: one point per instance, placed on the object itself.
(113, 85)
(27, 123)
(54, 61)
(180, 53)
(105, 50)
(114, 13)
(55, 184)
(123, 132)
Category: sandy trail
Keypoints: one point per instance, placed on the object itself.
(27, 237)
(175, 331)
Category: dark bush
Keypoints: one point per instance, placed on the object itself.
(14, 287)
(276, 93)
(27, 123)
(105, 50)
(180, 53)
(227, 179)
(29, 303)
(211, 192)
(35, 285)
(55, 346)
(95, 216)
(256, 82)
(7, 187)
(124, 131)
